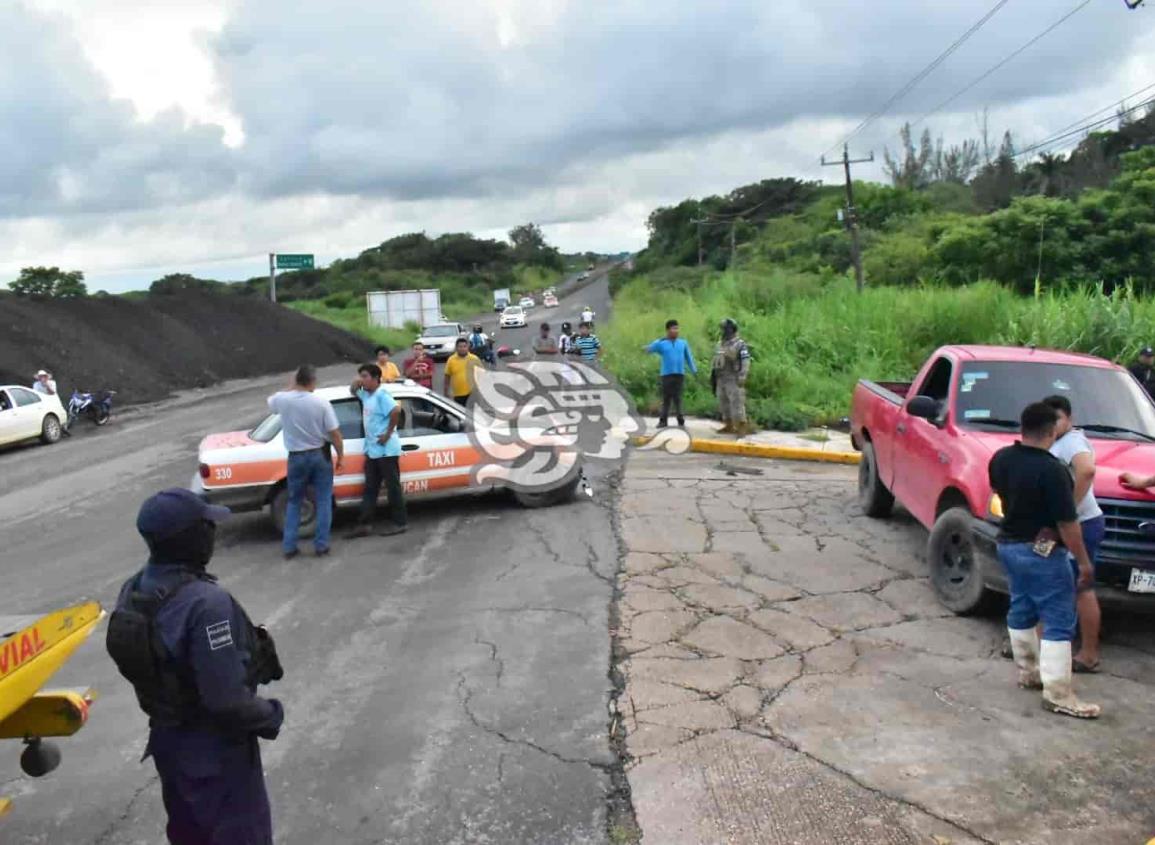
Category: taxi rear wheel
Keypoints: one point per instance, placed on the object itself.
(280, 504)
(548, 498)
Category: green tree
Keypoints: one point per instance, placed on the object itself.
(49, 282)
(530, 247)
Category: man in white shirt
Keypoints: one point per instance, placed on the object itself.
(44, 383)
(1073, 449)
(309, 425)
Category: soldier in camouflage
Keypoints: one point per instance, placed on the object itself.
(731, 366)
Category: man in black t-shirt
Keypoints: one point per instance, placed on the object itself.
(1039, 533)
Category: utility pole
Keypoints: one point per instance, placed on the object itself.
(851, 213)
(273, 276)
(699, 221)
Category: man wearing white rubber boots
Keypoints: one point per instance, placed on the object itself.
(1040, 525)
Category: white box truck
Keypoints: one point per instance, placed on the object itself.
(501, 299)
(392, 309)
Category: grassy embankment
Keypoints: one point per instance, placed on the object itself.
(460, 300)
(813, 336)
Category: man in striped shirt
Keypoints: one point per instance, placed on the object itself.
(587, 345)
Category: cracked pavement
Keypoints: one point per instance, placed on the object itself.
(449, 685)
(790, 678)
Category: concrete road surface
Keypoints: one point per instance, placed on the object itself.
(446, 686)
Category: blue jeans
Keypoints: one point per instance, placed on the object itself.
(1042, 589)
(309, 469)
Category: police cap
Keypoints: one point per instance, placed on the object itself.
(172, 511)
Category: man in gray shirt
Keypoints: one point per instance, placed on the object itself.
(309, 424)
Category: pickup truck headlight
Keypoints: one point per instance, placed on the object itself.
(996, 506)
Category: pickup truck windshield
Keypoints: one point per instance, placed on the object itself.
(439, 331)
(997, 391)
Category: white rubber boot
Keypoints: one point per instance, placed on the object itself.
(1025, 650)
(1058, 695)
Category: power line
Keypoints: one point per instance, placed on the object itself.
(920, 76)
(998, 65)
(1113, 105)
(1095, 124)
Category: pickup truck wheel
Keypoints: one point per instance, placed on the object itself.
(308, 511)
(875, 499)
(956, 568)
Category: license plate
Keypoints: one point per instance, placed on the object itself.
(1142, 581)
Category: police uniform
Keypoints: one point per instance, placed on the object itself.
(195, 661)
(731, 366)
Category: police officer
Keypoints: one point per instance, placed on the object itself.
(195, 660)
(731, 366)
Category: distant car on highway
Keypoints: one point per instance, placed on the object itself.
(27, 415)
(583, 275)
(527, 302)
(247, 470)
(513, 317)
(440, 338)
(590, 268)
(549, 301)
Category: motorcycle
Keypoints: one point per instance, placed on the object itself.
(97, 407)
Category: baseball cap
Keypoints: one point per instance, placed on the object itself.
(172, 511)
(1145, 351)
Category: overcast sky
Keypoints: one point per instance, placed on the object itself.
(140, 138)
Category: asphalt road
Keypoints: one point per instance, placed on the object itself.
(446, 686)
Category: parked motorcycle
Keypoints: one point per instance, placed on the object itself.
(96, 406)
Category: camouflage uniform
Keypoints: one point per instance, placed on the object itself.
(731, 366)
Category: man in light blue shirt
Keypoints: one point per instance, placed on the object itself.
(381, 415)
(676, 356)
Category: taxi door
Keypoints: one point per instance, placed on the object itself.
(437, 457)
(349, 484)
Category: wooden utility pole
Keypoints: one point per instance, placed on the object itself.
(851, 212)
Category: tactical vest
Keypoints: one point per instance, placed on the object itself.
(135, 644)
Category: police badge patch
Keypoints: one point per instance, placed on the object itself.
(220, 635)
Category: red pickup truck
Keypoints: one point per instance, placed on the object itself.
(928, 443)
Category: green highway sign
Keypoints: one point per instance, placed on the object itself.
(294, 262)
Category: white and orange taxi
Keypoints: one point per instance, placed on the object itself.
(247, 470)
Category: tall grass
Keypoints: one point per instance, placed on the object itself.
(813, 336)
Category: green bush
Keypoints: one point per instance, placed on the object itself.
(813, 336)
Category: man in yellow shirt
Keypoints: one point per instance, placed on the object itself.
(389, 371)
(459, 372)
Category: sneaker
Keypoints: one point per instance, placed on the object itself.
(292, 554)
(362, 530)
(662, 424)
(390, 530)
(322, 552)
(681, 422)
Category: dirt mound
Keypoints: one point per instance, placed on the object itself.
(146, 349)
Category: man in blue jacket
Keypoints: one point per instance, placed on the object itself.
(676, 356)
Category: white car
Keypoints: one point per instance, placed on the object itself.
(247, 470)
(513, 317)
(440, 339)
(527, 302)
(550, 301)
(26, 415)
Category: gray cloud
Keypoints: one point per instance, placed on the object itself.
(422, 101)
(348, 97)
(68, 147)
